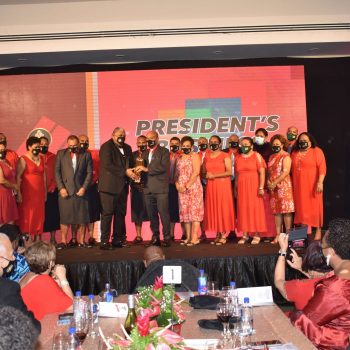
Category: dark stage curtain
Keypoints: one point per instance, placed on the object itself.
(247, 271)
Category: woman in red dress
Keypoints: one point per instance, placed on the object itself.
(279, 184)
(308, 173)
(31, 181)
(42, 293)
(188, 185)
(218, 206)
(249, 190)
(8, 187)
(325, 320)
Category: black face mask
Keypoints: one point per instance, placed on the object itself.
(276, 149)
(186, 150)
(174, 148)
(3, 154)
(303, 144)
(233, 144)
(142, 148)
(203, 146)
(35, 151)
(84, 146)
(121, 140)
(151, 143)
(246, 149)
(74, 149)
(214, 146)
(8, 270)
(44, 149)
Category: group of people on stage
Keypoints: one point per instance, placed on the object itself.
(237, 189)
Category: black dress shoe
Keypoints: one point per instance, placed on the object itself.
(154, 241)
(166, 243)
(72, 243)
(106, 246)
(117, 244)
(92, 242)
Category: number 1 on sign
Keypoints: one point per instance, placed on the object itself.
(172, 274)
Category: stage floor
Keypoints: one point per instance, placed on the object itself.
(176, 251)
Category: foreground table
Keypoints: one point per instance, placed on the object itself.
(269, 321)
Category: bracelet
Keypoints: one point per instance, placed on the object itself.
(281, 253)
(261, 188)
(64, 283)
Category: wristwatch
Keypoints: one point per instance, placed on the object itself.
(281, 253)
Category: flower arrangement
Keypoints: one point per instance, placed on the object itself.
(157, 311)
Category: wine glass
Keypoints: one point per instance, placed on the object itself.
(81, 324)
(60, 341)
(234, 322)
(224, 312)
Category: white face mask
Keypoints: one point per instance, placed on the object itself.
(328, 259)
(259, 140)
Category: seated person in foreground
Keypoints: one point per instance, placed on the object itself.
(154, 260)
(325, 320)
(45, 288)
(313, 265)
(17, 331)
(21, 267)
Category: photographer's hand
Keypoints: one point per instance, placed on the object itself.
(296, 261)
(283, 241)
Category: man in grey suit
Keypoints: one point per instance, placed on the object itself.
(156, 188)
(73, 173)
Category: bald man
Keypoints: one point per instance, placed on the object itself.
(156, 188)
(10, 293)
(116, 161)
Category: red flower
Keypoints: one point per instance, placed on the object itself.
(142, 323)
(158, 283)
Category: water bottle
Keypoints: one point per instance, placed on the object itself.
(77, 307)
(93, 316)
(202, 283)
(107, 295)
(233, 293)
(247, 317)
(73, 340)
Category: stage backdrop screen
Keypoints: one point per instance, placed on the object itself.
(173, 102)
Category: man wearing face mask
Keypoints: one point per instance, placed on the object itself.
(292, 135)
(52, 213)
(31, 183)
(156, 188)
(261, 145)
(73, 172)
(11, 156)
(10, 293)
(92, 192)
(116, 163)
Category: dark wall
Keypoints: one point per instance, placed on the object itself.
(327, 96)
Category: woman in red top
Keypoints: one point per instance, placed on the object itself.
(42, 293)
(325, 320)
(308, 173)
(8, 186)
(31, 181)
(249, 190)
(218, 205)
(313, 265)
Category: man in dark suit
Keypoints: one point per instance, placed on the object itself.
(10, 292)
(73, 173)
(116, 161)
(156, 188)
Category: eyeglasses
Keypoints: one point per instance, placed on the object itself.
(6, 259)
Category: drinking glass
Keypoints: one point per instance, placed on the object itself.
(60, 341)
(235, 321)
(226, 294)
(213, 288)
(224, 312)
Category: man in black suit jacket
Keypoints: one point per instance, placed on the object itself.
(156, 188)
(10, 292)
(116, 161)
(73, 173)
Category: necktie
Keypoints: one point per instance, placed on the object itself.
(74, 162)
(150, 154)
